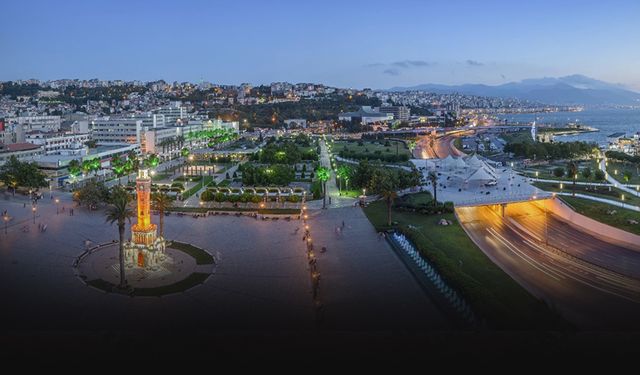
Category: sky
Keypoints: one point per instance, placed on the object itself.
(375, 44)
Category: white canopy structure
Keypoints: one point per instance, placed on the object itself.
(422, 163)
(447, 163)
(459, 163)
(475, 162)
(451, 163)
(481, 175)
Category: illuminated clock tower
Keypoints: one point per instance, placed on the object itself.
(143, 232)
(145, 249)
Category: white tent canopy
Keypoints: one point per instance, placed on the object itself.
(480, 175)
(475, 161)
(422, 163)
(459, 163)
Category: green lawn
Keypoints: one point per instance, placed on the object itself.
(372, 149)
(492, 293)
(207, 181)
(596, 191)
(546, 171)
(598, 211)
(613, 166)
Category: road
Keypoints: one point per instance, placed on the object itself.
(438, 148)
(571, 276)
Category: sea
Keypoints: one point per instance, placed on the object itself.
(607, 121)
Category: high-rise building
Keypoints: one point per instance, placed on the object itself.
(400, 113)
(112, 130)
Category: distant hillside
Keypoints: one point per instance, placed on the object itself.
(574, 89)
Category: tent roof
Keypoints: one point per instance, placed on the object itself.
(481, 175)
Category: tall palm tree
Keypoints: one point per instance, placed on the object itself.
(389, 194)
(161, 202)
(572, 169)
(323, 175)
(433, 178)
(119, 212)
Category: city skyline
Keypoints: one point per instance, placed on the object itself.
(350, 45)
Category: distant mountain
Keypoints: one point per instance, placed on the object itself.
(573, 89)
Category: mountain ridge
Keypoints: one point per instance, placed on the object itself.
(573, 89)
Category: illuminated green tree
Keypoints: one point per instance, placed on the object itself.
(323, 174)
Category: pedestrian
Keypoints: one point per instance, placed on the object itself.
(343, 224)
(24, 205)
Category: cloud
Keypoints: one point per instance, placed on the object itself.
(474, 63)
(412, 63)
(391, 72)
(373, 65)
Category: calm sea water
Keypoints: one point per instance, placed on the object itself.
(607, 120)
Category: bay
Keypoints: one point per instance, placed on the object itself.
(608, 121)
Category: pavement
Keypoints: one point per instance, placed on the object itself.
(261, 282)
(364, 285)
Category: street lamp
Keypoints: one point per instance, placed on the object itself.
(34, 213)
(6, 221)
(57, 201)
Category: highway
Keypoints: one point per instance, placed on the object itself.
(439, 148)
(586, 279)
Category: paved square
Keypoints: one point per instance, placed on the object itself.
(262, 281)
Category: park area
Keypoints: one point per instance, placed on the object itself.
(617, 217)
(467, 269)
(390, 151)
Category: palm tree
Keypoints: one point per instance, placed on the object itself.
(323, 175)
(572, 169)
(433, 178)
(119, 212)
(161, 202)
(389, 194)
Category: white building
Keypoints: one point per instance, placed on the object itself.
(114, 131)
(400, 113)
(366, 115)
(172, 113)
(12, 133)
(56, 142)
(23, 151)
(42, 123)
(296, 123)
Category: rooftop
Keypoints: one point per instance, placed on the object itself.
(19, 147)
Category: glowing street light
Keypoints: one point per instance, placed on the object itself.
(57, 202)
(33, 209)
(6, 221)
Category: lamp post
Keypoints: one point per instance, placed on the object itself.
(6, 221)
(33, 209)
(57, 201)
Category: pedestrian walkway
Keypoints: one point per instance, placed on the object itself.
(616, 183)
(334, 199)
(364, 284)
(194, 200)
